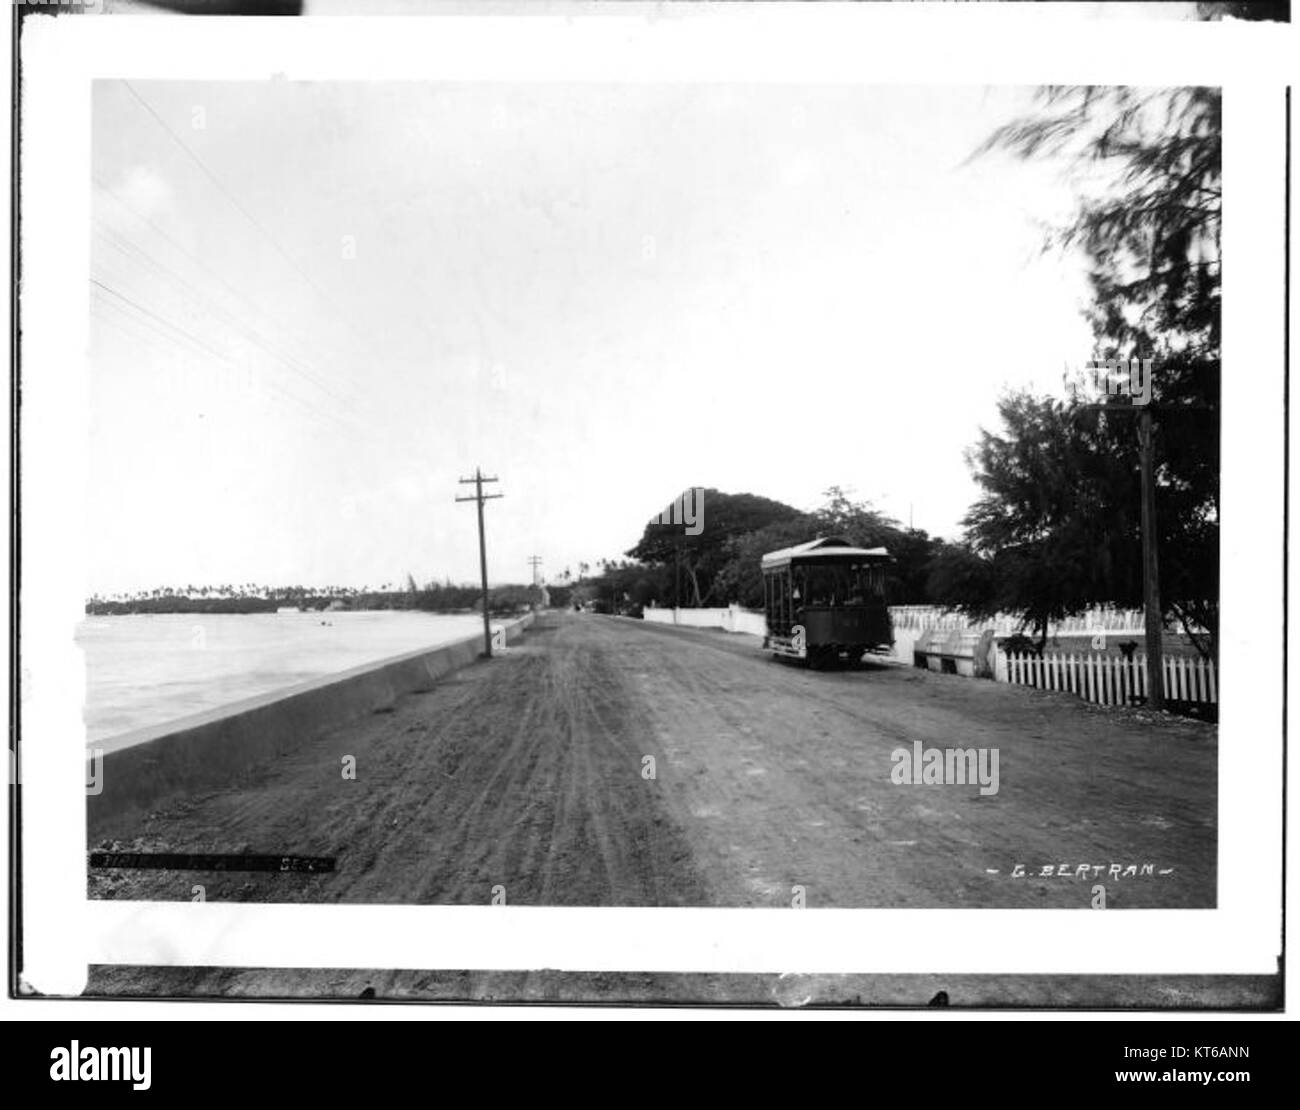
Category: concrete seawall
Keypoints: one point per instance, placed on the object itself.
(212, 749)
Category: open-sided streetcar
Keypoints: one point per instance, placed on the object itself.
(825, 601)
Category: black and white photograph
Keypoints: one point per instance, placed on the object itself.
(706, 693)
(675, 493)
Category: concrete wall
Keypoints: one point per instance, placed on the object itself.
(910, 622)
(212, 749)
(970, 652)
(905, 644)
(731, 619)
(736, 619)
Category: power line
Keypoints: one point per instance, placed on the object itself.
(234, 201)
(145, 338)
(252, 306)
(184, 332)
(149, 330)
(216, 182)
(288, 338)
(139, 336)
(291, 361)
(249, 333)
(162, 320)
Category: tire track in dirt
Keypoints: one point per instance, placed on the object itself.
(522, 772)
(785, 775)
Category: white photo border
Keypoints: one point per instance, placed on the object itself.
(949, 44)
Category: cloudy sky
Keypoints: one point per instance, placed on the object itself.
(316, 306)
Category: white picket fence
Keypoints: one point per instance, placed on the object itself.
(1110, 679)
(1100, 619)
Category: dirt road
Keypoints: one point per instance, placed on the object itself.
(530, 773)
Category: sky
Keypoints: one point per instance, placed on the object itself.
(316, 306)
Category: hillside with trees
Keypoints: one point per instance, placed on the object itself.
(720, 564)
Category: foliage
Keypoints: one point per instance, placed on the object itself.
(433, 597)
(721, 565)
(702, 557)
(1059, 518)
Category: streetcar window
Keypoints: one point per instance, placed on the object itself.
(843, 584)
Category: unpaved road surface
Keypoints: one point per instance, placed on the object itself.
(530, 772)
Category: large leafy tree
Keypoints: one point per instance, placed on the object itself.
(667, 540)
(721, 564)
(957, 577)
(1060, 510)
(1246, 9)
(862, 524)
(1057, 524)
(741, 577)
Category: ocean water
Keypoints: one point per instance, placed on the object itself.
(145, 670)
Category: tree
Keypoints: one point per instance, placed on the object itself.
(856, 521)
(1246, 9)
(740, 579)
(957, 577)
(699, 547)
(722, 563)
(1150, 234)
(906, 581)
(1056, 527)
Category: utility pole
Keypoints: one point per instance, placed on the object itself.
(535, 561)
(677, 576)
(1151, 566)
(480, 497)
(1151, 612)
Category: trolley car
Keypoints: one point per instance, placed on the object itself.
(825, 601)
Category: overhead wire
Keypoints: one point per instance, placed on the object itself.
(253, 336)
(189, 336)
(239, 207)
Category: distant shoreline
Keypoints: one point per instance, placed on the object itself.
(259, 606)
(256, 607)
(503, 600)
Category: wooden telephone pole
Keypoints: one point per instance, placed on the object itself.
(1151, 566)
(535, 561)
(479, 496)
(1154, 626)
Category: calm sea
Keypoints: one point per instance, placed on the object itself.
(146, 670)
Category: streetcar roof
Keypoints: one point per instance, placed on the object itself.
(825, 549)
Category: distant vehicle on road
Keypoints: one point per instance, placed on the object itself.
(825, 602)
